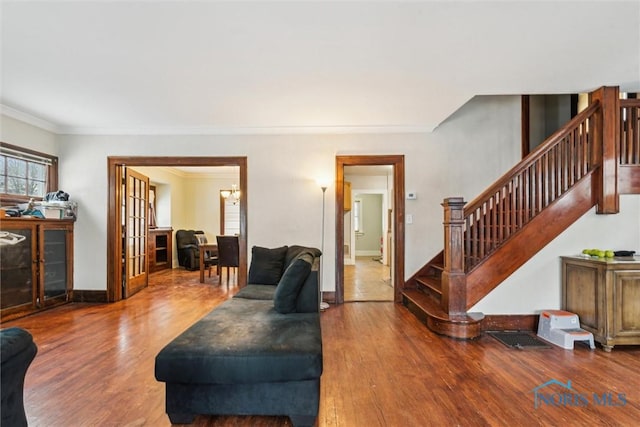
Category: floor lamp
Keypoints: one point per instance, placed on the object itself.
(323, 305)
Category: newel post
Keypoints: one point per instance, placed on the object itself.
(606, 149)
(454, 289)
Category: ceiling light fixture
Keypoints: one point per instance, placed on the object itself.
(232, 195)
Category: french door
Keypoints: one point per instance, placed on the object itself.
(134, 231)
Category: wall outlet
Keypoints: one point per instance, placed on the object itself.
(412, 195)
(409, 219)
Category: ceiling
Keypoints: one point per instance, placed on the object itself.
(212, 67)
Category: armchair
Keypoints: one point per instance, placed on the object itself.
(187, 244)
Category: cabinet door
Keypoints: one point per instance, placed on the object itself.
(626, 299)
(18, 272)
(584, 294)
(151, 250)
(56, 271)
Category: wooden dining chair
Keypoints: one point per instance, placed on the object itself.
(228, 254)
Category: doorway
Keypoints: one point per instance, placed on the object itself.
(115, 196)
(393, 248)
(368, 233)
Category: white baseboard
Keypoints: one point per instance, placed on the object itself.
(368, 253)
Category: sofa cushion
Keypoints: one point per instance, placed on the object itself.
(308, 297)
(266, 265)
(263, 292)
(295, 251)
(244, 341)
(284, 299)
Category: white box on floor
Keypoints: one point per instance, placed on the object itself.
(562, 328)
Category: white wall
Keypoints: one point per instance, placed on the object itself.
(15, 132)
(536, 285)
(461, 157)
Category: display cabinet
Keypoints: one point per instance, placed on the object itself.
(605, 294)
(160, 249)
(36, 271)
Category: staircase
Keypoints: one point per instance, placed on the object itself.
(588, 162)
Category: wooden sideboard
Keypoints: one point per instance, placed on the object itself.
(160, 248)
(36, 271)
(605, 294)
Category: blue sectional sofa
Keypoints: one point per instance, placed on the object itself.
(259, 353)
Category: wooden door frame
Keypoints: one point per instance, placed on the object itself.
(114, 248)
(397, 161)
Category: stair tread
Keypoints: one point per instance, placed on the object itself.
(432, 282)
(429, 305)
(437, 266)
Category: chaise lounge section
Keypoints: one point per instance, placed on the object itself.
(259, 353)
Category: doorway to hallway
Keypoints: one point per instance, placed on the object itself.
(368, 234)
(362, 175)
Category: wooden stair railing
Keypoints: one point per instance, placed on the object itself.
(486, 240)
(629, 147)
(588, 162)
(494, 224)
(542, 178)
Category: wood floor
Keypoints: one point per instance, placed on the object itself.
(367, 280)
(382, 367)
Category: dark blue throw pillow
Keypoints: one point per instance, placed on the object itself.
(284, 299)
(266, 265)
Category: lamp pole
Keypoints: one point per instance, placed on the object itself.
(323, 305)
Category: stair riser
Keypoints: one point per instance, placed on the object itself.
(435, 295)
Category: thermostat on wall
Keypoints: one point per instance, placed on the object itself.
(411, 195)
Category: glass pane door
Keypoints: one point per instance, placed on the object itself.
(55, 263)
(136, 208)
(17, 267)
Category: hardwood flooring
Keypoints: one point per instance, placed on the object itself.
(367, 280)
(382, 367)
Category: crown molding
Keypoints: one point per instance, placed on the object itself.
(252, 130)
(30, 119)
(213, 130)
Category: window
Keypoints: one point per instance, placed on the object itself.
(229, 214)
(357, 216)
(25, 174)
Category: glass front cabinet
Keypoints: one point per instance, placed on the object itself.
(36, 268)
